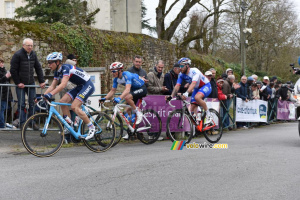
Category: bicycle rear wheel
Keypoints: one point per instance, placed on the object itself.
(149, 130)
(38, 144)
(214, 134)
(104, 136)
(179, 126)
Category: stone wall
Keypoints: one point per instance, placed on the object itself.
(93, 47)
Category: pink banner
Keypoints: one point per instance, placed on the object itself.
(285, 110)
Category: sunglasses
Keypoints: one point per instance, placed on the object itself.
(114, 71)
(51, 61)
(182, 66)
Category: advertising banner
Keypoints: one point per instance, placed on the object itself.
(251, 111)
(286, 110)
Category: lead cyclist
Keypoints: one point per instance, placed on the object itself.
(78, 95)
(199, 87)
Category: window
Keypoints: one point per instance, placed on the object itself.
(10, 9)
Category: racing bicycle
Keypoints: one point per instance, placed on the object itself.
(148, 131)
(49, 137)
(182, 120)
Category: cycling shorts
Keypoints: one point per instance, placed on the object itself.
(138, 93)
(82, 92)
(205, 90)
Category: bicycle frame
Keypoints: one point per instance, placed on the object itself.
(52, 111)
(117, 110)
(199, 126)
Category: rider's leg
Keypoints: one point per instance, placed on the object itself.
(76, 107)
(129, 99)
(65, 109)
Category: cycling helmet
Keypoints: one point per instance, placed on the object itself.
(55, 56)
(116, 66)
(185, 61)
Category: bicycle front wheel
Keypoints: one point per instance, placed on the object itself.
(118, 126)
(149, 130)
(179, 126)
(214, 134)
(104, 135)
(37, 143)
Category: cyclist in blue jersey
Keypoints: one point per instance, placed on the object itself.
(199, 86)
(135, 88)
(84, 88)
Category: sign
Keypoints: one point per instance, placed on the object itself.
(286, 110)
(251, 111)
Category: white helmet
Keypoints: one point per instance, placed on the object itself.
(116, 66)
(55, 56)
(185, 61)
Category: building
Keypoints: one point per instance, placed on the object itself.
(114, 15)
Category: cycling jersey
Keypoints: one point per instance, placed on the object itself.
(193, 75)
(77, 75)
(129, 78)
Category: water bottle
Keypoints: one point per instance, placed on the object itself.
(77, 121)
(133, 115)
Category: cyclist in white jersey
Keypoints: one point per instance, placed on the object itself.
(199, 86)
(84, 88)
(135, 88)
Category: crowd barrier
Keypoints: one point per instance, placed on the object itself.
(233, 110)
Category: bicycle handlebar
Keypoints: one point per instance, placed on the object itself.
(177, 98)
(42, 100)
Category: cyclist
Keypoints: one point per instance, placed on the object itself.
(84, 88)
(135, 88)
(199, 87)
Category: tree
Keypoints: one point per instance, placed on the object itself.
(145, 22)
(69, 12)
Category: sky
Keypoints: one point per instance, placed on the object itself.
(152, 4)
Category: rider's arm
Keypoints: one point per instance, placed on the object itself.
(126, 91)
(175, 90)
(52, 86)
(111, 93)
(61, 86)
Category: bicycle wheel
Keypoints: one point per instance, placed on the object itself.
(214, 134)
(149, 130)
(38, 144)
(179, 126)
(118, 126)
(104, 136)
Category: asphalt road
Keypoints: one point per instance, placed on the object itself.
(260, 163)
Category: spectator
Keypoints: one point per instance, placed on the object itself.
(229, 71)
(255, 77)
(137, 68)
(171, 79)
(274, 79)
(250, 80)
(264, 94)
(254, 92)
(214, 88)
(4, 91)
(220, 83)
(71, 59)
(228, 90)
(156, 80)
(242, 93)
(23, 64)
(271, 86)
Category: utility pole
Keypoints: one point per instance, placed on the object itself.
(243, 37)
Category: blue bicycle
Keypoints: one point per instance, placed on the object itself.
(47, 140)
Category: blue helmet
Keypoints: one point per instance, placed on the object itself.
(184, 61)
(55, 56)
(299, 60)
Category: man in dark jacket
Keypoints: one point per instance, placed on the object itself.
(214, 88)
(171, 80)
(137, 68)
(23, 64)
(242, 93)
